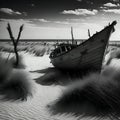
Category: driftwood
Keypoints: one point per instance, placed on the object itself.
(15, 42)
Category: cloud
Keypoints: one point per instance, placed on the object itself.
(111, 5)
(15, 20)
(116, 11)
(9, 11)
(62, 22)
(26, 22)
(80, 12)
(42, 20)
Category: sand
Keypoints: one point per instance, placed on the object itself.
(35, 108)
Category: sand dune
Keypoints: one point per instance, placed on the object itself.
(38, 106)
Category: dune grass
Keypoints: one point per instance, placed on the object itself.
(95, 95)
(15, 84)
(38, 49)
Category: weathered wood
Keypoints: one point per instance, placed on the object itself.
(72, 35)
(88, 53)
(15, 43)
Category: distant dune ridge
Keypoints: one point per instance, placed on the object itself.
(95, 94)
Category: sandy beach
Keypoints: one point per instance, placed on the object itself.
(35, 108)
(48, 85)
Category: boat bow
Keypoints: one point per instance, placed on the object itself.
(89, 54)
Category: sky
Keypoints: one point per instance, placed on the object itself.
(52, 19)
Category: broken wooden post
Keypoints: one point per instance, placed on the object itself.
(15, 43)
(89, 33)
(72, 35)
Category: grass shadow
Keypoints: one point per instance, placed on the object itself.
(54, 76)
(96, 95)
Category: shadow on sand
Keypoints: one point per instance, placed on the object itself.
(54, 76)
(90, 95)
(96, 95)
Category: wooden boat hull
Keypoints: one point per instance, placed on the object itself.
(75, 60)
(89, 54)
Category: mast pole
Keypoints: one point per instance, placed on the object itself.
(89, 33)
(72, 35)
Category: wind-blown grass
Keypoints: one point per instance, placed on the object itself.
(94, 95)
(38, 49)
(15, 84)
(97, 94)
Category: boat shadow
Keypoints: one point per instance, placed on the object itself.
(54, 76)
